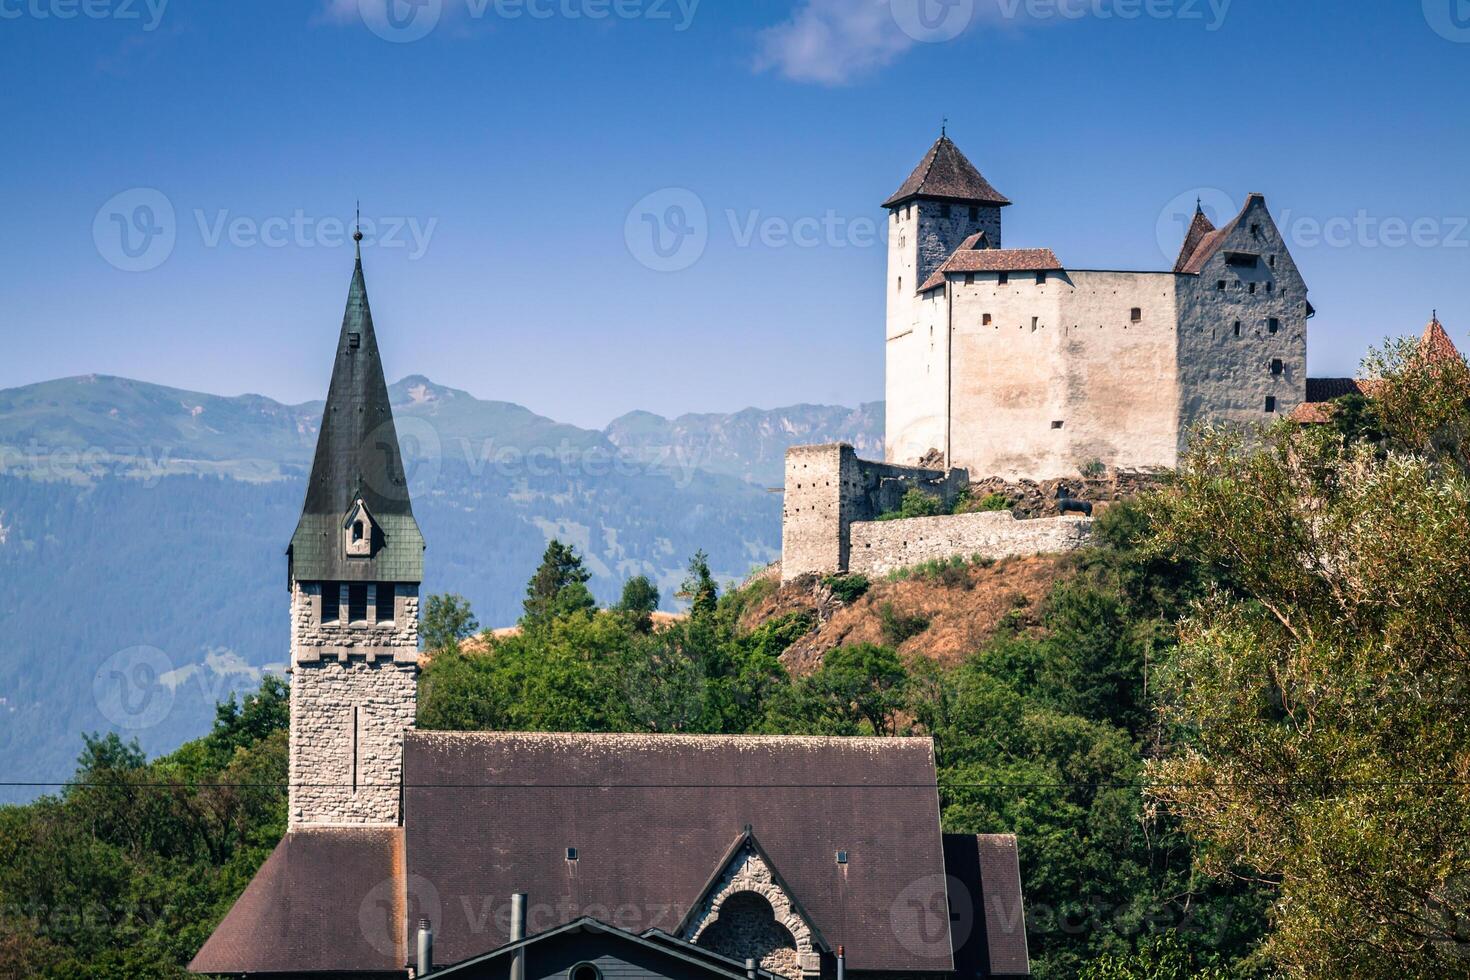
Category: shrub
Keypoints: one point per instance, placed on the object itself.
(898, 626)
(916, 503)
(847, 588)
(992, 502)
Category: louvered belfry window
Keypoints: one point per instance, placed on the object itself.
(357, 602)
(331, 602)
(385, 602)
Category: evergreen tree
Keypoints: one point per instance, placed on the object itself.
(639, 602)
(699, 588)
(559, 587)
(447, 620)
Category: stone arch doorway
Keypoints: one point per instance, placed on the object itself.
(746, 928)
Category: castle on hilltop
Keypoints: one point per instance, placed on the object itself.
(1003, 362)
(1006, 362)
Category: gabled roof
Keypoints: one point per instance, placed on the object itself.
(325, 901)
(945, 174)
(1211, 242)
(993, 260)
(662, 944)
(1198, 229)
(357, 455)
(492, 814)
(747, 840)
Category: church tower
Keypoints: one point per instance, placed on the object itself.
(354, 568)
(944, 203)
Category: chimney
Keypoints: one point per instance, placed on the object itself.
(517, 933)
(424, 964)
(841, 963)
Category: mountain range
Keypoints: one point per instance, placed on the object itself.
(143, 528)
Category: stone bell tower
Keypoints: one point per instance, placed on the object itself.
(354, 568)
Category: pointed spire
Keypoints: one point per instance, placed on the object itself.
(1436, 343)
(1198, 229)
(945, 174)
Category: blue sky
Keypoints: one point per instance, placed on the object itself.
(507, 156)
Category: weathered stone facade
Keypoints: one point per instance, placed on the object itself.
(747, 915)
(353, 694)
(879, 547)
(828, 488)
(1028, 373)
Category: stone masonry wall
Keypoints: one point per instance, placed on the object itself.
(828, 488)
(879, 547)
(353, 694)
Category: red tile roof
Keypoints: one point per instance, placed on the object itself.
(993, 260)
(1436, 344)
(946, 174)
(1198, 229)
(1210, 242)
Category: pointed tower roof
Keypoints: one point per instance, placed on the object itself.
(357, 459)
(946, 174)
(1198, 229)
(1436, 343)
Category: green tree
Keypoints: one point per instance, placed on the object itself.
(699, 588)
(447, 620)
(639, 601)
(558, 588)
(1318, 692)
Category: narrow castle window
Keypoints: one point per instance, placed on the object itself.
(1273, 261)
(331, 602)
(354, 341)
(985, 320)
(1253, 289)
(900, 284)
(385, 606)
(974, 214)
(1237, 328)
(1273, 324)
(357, 602)
(1057, 424)
(1220, 285)
(1005, 277)
(357, 530)
(945, 211)
(1270, 403)
(1041, 278)
(969, 279)
(1276, 366)
(1137, 315)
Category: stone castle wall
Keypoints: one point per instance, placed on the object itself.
(879, 547)
(828, 488)
(353, 694)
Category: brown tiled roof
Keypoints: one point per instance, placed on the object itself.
(489, 814)
(1198, 229)
(993, 260)
(325, 901)
(988, 918)
(946, 174)
(1210, 242)
(1436, 344)
(1326, 389)
(1313, 413)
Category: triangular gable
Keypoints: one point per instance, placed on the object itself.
(747, 868)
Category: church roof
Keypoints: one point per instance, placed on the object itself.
(357, 457)
(993, 260)
(490, 814)
(325, 901)
(1198, 229)
(946, 174)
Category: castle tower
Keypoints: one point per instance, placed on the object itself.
(354, 568)
(943, 204)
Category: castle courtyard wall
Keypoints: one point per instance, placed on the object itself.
(880, 547)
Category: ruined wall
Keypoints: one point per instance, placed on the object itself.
(828, 488)
(879, 547)
(353, 694)
(1061, 375)
(1226, 373)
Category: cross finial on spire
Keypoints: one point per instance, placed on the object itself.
(944, 127)
(1199, 205)
(357, 234)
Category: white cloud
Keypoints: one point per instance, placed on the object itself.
(831, 42)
